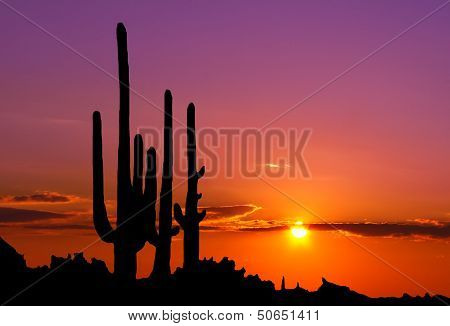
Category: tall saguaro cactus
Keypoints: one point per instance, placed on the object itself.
(191, 219)
(135, 223)
(161, 266)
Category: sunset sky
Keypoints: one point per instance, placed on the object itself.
(378, 154)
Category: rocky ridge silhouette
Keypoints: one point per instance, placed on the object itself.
(72, 280)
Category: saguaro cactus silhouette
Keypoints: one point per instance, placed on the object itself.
(161, 266)
(135, 223)
(191, 219)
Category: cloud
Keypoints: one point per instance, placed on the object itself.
(213, 228)
(39, 197)
(227, 218)
(436, 231)
(227, 212)
(16, 215)
(427, 221)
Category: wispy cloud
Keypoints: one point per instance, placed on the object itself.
(276, 165)
(37, 197)
(229, 212)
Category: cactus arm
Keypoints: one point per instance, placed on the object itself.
(150, 179)
(101, 222)
(165, 198)
(123, 169)
(174, 231)
(168, 159)
(178, 215)
(201, 216)
(167, 178)
(191, 143)
(168, 136)
(161, 266)
(138, 165)
(150, 195)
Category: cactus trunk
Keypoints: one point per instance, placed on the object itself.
(125, 263)
(191, 219)
(123, 155)
(191, 243)
(124, 255)
(161, 266)
(191, 237)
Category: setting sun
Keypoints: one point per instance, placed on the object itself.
(298, 231)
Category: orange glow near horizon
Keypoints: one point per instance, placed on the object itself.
(274, 254)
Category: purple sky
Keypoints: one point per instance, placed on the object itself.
(380, 133)
(379, 149)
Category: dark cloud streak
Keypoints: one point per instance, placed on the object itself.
(387, 229)
(16, 215)
(59, 226)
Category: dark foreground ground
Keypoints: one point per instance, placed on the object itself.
(74, 281)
